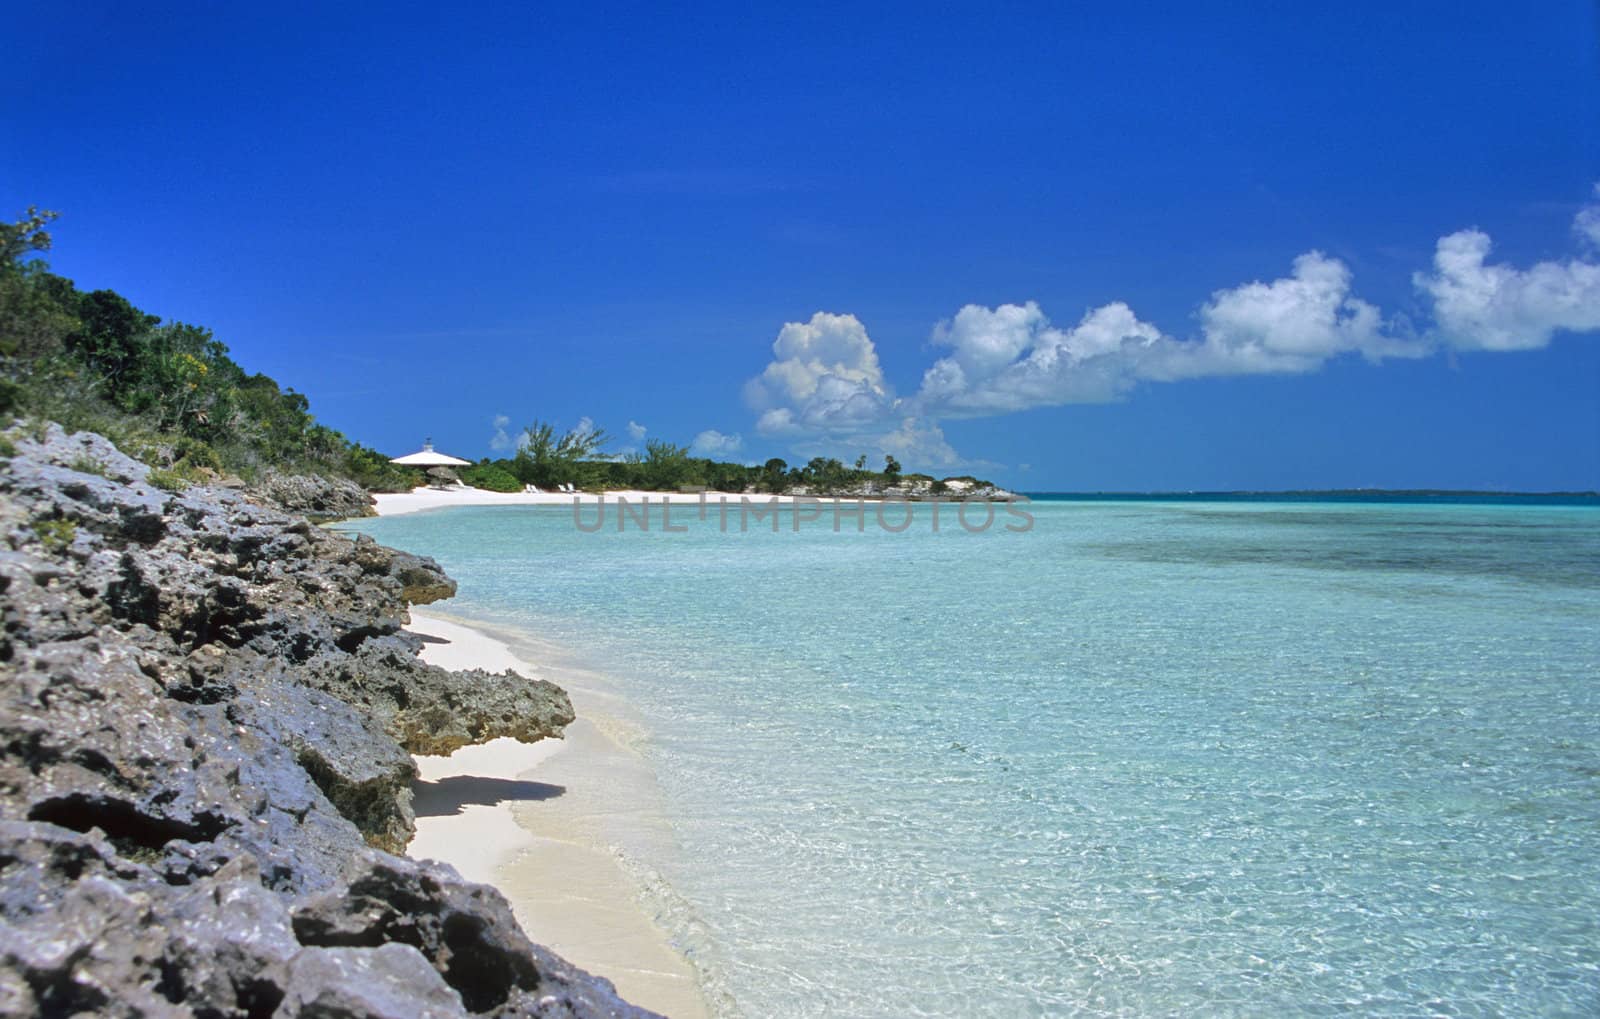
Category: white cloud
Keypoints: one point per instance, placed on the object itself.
(825, 390)
(824, 377)
(1011, 358)
(919, 441)
(1587, 223)
(1478, 306)
(712, 444)
(636, 431)
(501, 440)
(1292, 324)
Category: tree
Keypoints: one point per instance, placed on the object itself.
(543, 458)
(861, 462)
(667, 467)
(728, 477)
(24, 237)
(775, 475)
(34, 320)
(112, 339)
(891, 469)
(824, 475)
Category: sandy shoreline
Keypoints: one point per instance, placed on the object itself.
(540, 822)
(389, 504)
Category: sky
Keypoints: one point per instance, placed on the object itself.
(1070, 247)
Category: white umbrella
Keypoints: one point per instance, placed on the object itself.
(426, 457)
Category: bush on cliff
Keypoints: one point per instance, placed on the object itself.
(167, 391)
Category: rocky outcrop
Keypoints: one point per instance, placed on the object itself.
(915, 489)
(313, 496)
(421, 580)
(207, 709)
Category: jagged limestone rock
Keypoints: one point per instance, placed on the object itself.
(313, 496)
(205, 712)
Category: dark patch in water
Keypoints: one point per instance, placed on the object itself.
(1560, 564)
(1552, 551)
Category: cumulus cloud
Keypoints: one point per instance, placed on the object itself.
(919, 441)
(825, 390)
(1293, 324)
(1011, 358)
(501, 440)
(1483, 306)
(636, 431)
(712, 444)
(824, 377)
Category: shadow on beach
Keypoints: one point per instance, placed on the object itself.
(448, 796)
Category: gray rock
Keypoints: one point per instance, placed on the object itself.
(392, 980)
(421, 579)
(86, 930)
(314, 496)
(466, 931)
(207, 709)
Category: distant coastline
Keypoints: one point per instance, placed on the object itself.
(1353, 495)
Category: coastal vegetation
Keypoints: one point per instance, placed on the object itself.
(167, 392)
(548, 459)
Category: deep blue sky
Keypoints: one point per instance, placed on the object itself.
(424, 217)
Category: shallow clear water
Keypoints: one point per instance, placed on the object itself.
(1145, 758)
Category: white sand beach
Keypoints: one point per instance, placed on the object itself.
(390, 504)
(541, 823)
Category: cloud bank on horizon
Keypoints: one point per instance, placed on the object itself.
(825, 389)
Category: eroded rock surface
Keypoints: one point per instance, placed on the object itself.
(207, 710)
(313, 496)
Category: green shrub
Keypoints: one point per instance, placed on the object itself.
(373, 471)
(195, 453)
(55, 535)
(490, 478)
(170, 480)
(7, 447)
(87, 464)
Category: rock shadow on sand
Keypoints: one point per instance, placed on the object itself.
(447, 797)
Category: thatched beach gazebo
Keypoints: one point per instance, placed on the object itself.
(435, 463)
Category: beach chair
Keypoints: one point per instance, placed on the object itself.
(532, 489)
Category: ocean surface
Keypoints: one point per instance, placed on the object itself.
(1147, 757)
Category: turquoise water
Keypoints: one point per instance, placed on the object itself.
(1147, 758)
